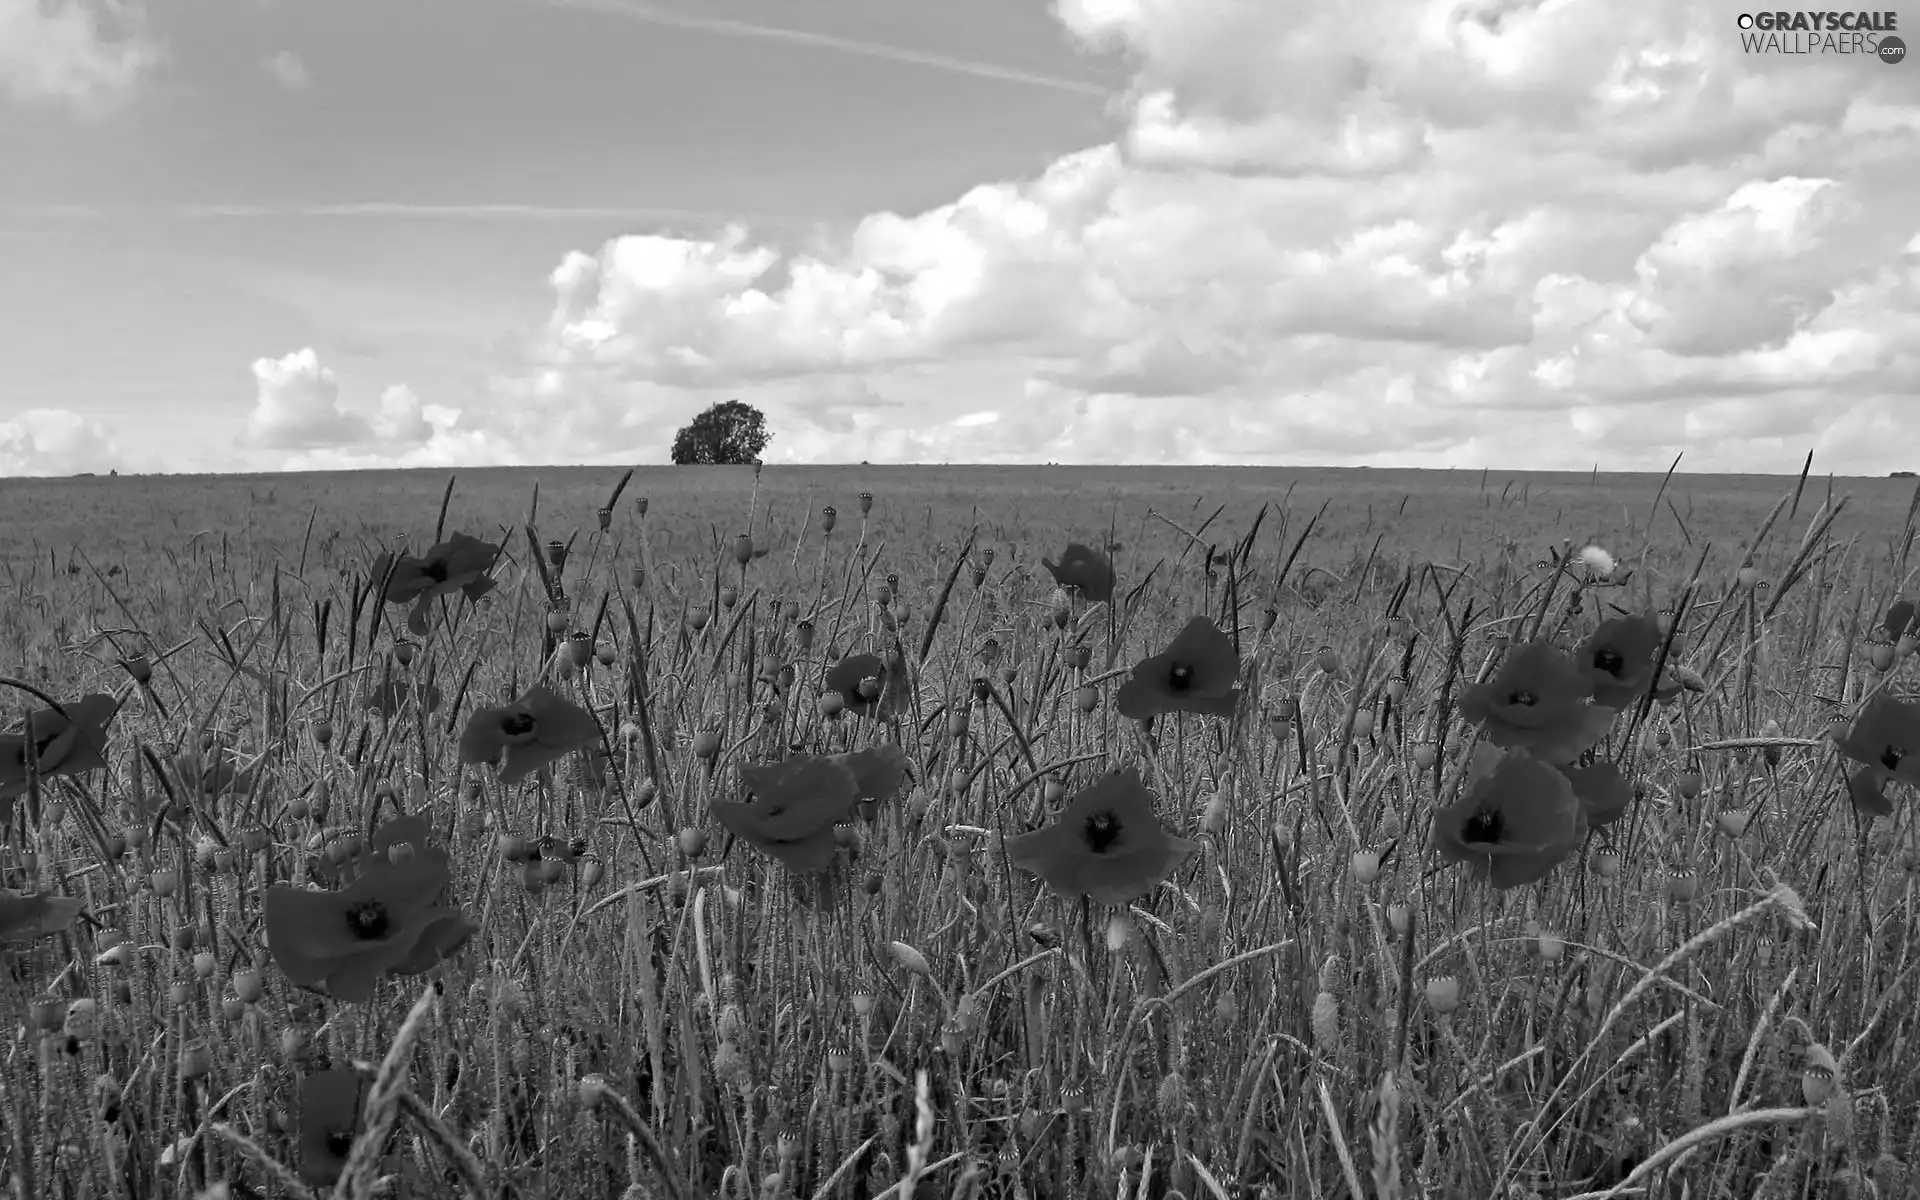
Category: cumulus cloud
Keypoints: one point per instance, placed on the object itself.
(302, 421)
(90, 55)
(1431, 232)
(286, 69)
(55, 441)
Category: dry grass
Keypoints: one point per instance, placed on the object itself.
(1280, 1019)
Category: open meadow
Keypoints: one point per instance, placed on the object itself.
(959, 832)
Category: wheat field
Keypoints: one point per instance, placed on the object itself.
(644, 881)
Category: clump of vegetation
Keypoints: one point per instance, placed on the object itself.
(824, 859)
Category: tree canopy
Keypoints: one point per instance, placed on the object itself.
(728, 433)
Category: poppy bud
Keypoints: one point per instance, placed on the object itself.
(914, 961)
(697, 619)
(729, 596)
(580, 647)
(140, 668)
(743, 548)
(403, 653)
(557, 553)
(1746, 577)
(1899, 618)
(195, 1059)
(693, 842)
(1443, 994)
(1328, 660)
(204, 964)
(1818, 1080)
(866, 503)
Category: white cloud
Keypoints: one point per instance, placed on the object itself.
(302, 421)
(90, 55)
(1432, 232)
(55, 441)
(287, 70)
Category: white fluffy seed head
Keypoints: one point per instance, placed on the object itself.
(1598, 561)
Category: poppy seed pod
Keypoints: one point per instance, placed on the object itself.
(557, 553)
(637, 576)
(1443, 994)
(743, 548)
(403, 653)
(139, 667)
(829, 517)
(697, 619)
(557, 619)
(866, 503)
(640, 505)
(580, 648)
(803, 635)
(729, 596)
(1366, 866)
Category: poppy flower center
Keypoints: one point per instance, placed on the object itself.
(1890, 757)
(368, 920)
(1609, 660)
(1522, 696)
(1102, 831)
(1484, 827)
(436, 571)
(339, 1142)
(517, 724)
(1180, 677)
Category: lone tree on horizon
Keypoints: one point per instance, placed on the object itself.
(730, 433)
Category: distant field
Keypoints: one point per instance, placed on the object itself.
(1445, 515)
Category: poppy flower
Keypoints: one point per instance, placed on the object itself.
(1518, 820)
(1195, 674)
(1537, 701)
(1617, 658)
(1884, 740)
(867, 685)
(1603, 791)
(386, 921)
(388, 697)
(528, 733)
(458, 564)
(798, 802)
(332, 1107)
(1085, 570)
(25, 916)
(1106, 844)
(63, 743)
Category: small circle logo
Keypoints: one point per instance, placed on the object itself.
(1892, 49)
(1746, 21)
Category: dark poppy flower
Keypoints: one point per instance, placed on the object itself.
(1884, 739)
(216, 773)
(799, 800)
(388, 920)
(869, 686)
(63, 743)
(1603, 790)
(531, 732)
(1537, 701)
(28, 915)
(1106, 844)
(1617, 659)
(332, 1111)
(1195, 674)
(458, 564)
(1518, 820)
(388, 697)
(1084, 570)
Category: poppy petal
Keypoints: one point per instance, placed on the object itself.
(484, 736)
(1603, 791)
(330, 1112)
(1866, 788)
(417, 618)
(878, 772)
(443, 932)
(799, 796)
(558, 723)
(24, 916)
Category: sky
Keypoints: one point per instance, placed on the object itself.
(260, 235)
